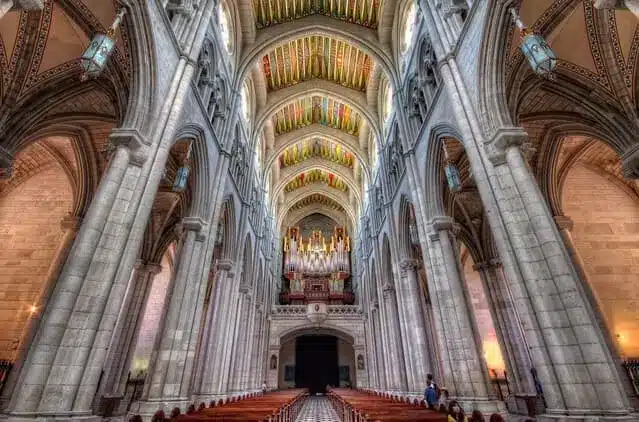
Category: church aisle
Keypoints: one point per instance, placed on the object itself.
(317, 409)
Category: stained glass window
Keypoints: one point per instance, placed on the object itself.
(409, 27)
(225, 30)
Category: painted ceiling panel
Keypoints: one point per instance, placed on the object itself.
(316, 176)
(272, 12)
(316, 109)
(317, 57)
(316, 147)
(319, 199)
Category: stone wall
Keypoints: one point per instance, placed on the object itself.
(30, 234)
(606, 235)
(287, 357)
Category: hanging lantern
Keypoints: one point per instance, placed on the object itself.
(95, 58)
(452, 172)
(536, 50)
(182, 176)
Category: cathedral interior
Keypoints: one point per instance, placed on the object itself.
(318, 210)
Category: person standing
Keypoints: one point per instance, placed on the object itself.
(431, 394)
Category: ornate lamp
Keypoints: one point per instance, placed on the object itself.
(535, 48)
(452, 172)
(182, 175)
(95, 58)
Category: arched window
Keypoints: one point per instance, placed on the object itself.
(225, 29)
(246, 104)
(409, 27)
(387, 103)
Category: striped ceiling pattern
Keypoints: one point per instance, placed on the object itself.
(316, 109)
(316, 147)
(272, 12)
(317, 57)
(316, 176)
(317, 198)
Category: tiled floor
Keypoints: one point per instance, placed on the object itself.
(317, 409)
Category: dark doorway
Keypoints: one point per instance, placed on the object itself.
(316, 363)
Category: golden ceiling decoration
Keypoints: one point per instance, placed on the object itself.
(317, 198)
(316, 176)
(316, 109)
(316, 147)
(272, 12)
(317, 57)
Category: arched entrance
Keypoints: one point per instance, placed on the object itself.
(314, 358)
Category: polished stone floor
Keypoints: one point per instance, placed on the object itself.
(317, 409)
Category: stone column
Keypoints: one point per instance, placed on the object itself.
(255, 380)
(128, 328)
(570, 356)
(395, 358)
(378, 345)
(464, 372)
(210, 384)
(239, 344)
(418, 347)
(371, 358)
(507, 326)
(172, 361)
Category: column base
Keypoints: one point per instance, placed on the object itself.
(587, 416)
(484, 405)
(50, 417)
(148, 407)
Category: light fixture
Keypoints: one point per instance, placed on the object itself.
(182, 175)
(452, 172)
(33, 309)
(541, 57)
(95, 58)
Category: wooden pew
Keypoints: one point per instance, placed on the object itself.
(359, 406)
(278, 406)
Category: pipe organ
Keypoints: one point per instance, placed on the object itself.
(316, 269)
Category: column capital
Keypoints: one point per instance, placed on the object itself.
(441, 223)
(564, 222)
(388, 288)
(152, 268)
(480, 266)
(71, 222)
(224, 264)
(374, 305)
(630, 163)
(502, 139)
(192, 224)
(131, 139)
(409, 264)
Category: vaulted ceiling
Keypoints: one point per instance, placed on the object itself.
(272, 12)
(320, 105)
(568, 120)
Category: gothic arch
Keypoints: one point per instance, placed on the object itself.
(228, 226)
(272, 36)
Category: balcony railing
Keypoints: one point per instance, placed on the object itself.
(300, 310)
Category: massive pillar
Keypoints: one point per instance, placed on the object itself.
(568, 348)
(173, 359)
(378, 347)
(240, 345)
(211, 385)
(418, 356)
(396, 381)
(464, 371)
(128, 327)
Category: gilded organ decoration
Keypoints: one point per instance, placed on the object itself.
(316, 109)
(316, 176)
(272, 12)
(317, 57)
(317, 269)
(316, 147)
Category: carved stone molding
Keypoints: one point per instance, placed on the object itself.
(503, 139)
(564, 222)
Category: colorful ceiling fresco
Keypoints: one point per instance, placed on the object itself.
(316, 109)
(316, 147)
(317, 57)
(316, 176)
(272, 12)
(317, 198)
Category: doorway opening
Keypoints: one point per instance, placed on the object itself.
(317, 365)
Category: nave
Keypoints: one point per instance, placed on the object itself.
(318, 409)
